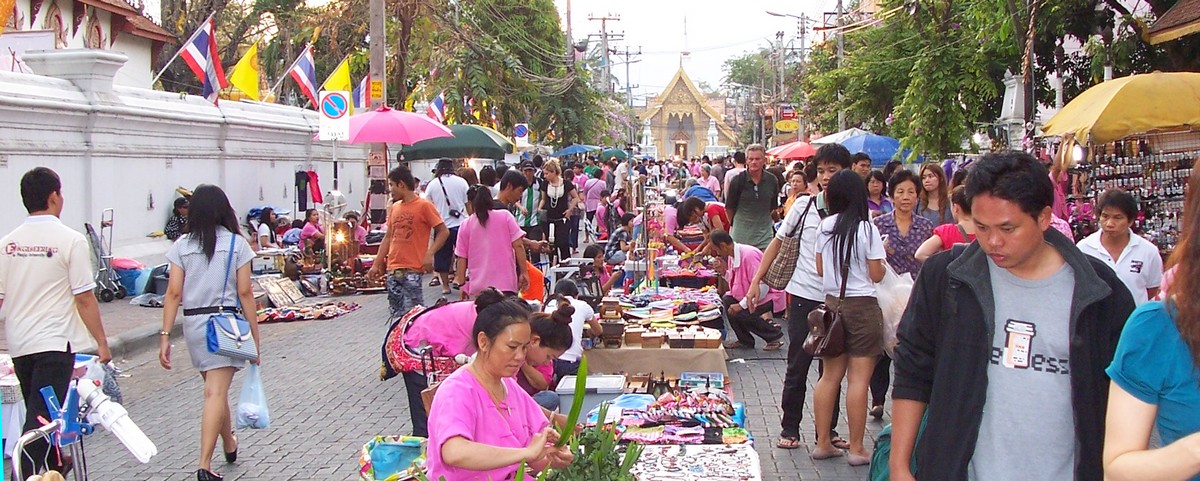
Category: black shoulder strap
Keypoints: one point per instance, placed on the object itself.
(800, 222)
(963, 233)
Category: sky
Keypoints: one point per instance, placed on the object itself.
(716, 31)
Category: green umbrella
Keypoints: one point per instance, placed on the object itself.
(469, 141)
(618, 153)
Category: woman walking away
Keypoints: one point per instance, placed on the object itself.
(1156, 374)
(935, 196)
(210, 270)
(489, 249)
(962, 231)
(850, 253)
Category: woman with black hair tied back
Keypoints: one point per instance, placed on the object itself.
(483, 425)
(583, 318)
(444, 332)
(210, 271)
(490, 248)
(850, 253)
(265, 232)
(551, 338)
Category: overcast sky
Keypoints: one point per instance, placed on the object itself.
(716, 31)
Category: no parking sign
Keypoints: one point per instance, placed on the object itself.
(334, 107)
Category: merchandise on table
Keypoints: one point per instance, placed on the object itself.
(392, 458)
(1154, 168)
(737, 462)
(327, 310)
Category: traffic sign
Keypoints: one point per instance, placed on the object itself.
(521, 133)
(788, 125)
(334, 107)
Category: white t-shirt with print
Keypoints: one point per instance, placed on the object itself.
(43, 265)
(868, 245)
(1139, 266)
(583, 312)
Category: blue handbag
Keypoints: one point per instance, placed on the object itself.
(228, 333)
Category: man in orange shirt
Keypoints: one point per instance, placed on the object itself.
(410, 221)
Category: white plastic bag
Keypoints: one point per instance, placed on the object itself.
(893, 293)
(252, 412)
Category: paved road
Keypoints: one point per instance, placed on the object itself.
(326, 401)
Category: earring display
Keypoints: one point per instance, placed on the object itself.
(738, 462)
(1158, 180)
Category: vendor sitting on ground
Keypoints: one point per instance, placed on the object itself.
(482, 424)
(604, 279)
(292, 236)
(177, 224)
(360, 232)
(746, 320)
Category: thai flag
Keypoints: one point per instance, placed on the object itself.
(200, 53)
(437, 108)
(495, 117)
(362, 94)
(304, 72)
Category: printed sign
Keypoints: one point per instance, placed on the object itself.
(334, 107)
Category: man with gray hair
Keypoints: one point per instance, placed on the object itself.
(752, 199)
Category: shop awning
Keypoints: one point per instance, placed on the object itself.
(1130, 105)
(1181, 20)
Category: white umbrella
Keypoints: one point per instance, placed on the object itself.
(839, 137)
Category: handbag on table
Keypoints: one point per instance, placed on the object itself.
(780, 271)
(228, 332)
(826, 330)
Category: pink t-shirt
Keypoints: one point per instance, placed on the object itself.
(670, 215)
(580, 181)
(309, 231)
(488, 250)
(710, 183)
(447, 329)
(463, 408)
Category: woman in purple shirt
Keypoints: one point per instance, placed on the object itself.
(903, 230)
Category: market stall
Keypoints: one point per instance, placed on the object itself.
(1125, 133)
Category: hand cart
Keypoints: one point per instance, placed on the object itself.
(108, 283)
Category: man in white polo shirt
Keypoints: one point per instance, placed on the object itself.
(1135, 260)
(46, 283)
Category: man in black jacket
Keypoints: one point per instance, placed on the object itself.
(1004, 344)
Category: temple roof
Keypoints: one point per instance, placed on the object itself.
(682, 77)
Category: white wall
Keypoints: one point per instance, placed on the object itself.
(130, 152)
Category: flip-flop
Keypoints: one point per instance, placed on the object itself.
(836, 453)
(840, 443)
(788, 442)
(773, 346)
(436, 281)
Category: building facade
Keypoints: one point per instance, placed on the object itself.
(679, 120)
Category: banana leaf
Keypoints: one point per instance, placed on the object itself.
(567, 431)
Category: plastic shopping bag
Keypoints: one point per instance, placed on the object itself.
(893, 293)
(252, 412)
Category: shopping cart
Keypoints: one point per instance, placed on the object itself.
(108, 284)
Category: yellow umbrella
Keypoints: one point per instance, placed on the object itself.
(1130, 105)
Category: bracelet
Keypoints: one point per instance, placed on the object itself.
(164, 333)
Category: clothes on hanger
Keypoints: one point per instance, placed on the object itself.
(314, 187)
(301, 191)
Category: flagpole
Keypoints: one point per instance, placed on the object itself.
(180, 51)
(289, 69)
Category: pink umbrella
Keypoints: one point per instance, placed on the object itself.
(795, 150)
(394, 126)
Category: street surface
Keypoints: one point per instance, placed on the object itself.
(326, 400)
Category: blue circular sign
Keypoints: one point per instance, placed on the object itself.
(520, 130)
(335, 105)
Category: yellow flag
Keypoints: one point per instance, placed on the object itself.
(340, 78)
(245, 74)
(409, 105)
(6, 9)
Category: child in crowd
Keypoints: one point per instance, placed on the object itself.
(292, 236)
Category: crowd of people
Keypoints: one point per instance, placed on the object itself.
(1019, 346)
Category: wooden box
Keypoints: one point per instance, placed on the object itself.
(708, 338)
(633, 335)
(652, 339)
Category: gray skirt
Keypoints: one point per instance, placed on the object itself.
(195, 333)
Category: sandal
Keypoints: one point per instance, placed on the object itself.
(788, 442)
(840, 443)
(436, 281)
(773, 346)
(737, 345)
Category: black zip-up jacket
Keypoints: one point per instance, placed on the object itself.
(945, 345)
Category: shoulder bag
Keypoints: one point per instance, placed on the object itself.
(228, 332)
(780, 271)
(826, 331)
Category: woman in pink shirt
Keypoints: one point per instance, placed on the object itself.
(709, 182)
(489, 249)
(482, 424)
(551, 337)
(312, 233)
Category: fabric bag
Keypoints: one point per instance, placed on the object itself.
(228, 333)
(252, 411)
(826, 331)
(893, 293)
(780, 271)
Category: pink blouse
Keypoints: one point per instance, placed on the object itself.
(463, 408)
(447, 329)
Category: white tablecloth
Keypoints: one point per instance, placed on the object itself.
(13, 418)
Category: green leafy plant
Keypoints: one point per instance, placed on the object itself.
(598, 455)
(567, 431)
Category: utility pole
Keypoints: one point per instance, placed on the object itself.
(377, 159)
(570, 39)
(608, 86)
(779, 93)
(841, 52)
(628, 86)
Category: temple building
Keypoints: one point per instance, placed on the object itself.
(684, 121)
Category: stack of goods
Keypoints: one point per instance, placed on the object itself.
(699, 416)
(326, 310)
